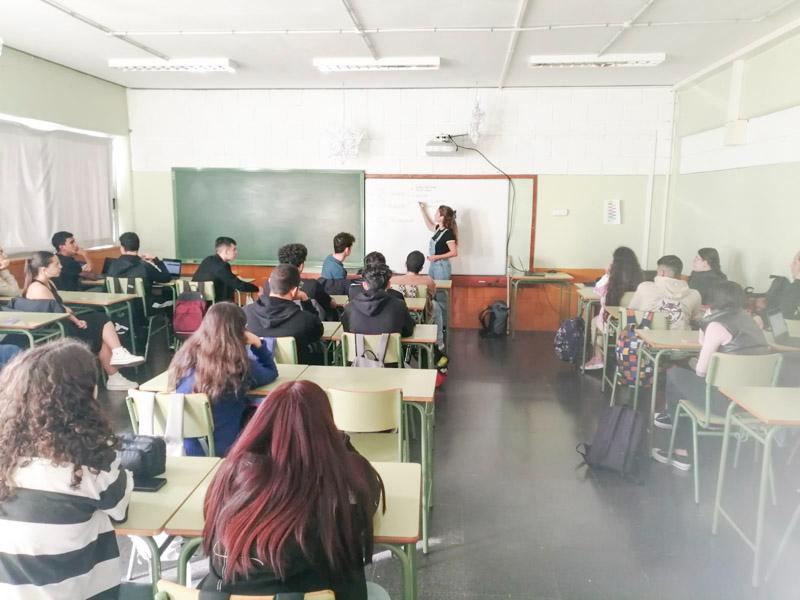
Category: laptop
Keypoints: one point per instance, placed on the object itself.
(780, 331)
(173, 266)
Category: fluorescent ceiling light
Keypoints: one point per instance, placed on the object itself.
(596, 60)
(187, 65)
(394, 63)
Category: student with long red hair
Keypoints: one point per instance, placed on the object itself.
(291, 508)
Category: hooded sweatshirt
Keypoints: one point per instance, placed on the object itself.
(270, 316)
(375, 312)
(671, 296)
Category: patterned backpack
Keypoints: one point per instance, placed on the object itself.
(627, 351)
(569, 339)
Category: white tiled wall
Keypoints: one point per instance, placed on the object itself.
(542, 130)
(771, 139)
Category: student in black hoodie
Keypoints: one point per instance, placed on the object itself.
(216, 268)
(131, 264)
(357, 285)
(312, 297)
(376, 311)
(277, 315)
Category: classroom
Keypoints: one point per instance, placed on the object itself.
(365, 300)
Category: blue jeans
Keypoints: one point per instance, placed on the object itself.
(7, 352)
(441, 269)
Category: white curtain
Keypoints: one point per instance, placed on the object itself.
(52, 181)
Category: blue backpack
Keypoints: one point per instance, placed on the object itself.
(568, 340)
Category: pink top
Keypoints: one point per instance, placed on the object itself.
(715, 336)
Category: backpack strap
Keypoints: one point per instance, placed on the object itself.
(647, 321)
(173, 428)
(383, 345)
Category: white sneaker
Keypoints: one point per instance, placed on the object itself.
(118, 382)
(120, 357)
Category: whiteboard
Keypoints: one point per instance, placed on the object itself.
(394, 224)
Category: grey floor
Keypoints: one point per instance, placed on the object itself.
(517, 517)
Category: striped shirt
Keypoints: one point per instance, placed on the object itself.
(57, 542)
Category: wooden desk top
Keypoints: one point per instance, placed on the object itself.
(413, 304)
(588, 294)
(673, 339)
(775, 346)
(330, 330)
(543, 276)
(423, 333)
(418, 385)
(28, 320)
(770, 405)
(399, 525)
(149, 511)
(160, 383)
(6, 298)
(95, 298)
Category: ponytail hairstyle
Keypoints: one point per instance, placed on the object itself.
(449, 219)
(711, 256)
(38, 260)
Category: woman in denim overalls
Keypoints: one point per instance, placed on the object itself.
(446, 237)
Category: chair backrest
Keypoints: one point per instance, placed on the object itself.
(735, 370)
(372, 342)
(366, 411)
(198, 421)
(128, 285)
(626, 299)
(168, 590)
(206, 288)
(285, 350)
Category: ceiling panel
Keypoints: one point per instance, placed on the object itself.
(468, 58)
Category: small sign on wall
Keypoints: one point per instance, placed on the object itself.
(612, 215)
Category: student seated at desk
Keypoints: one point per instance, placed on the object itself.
(71, 270)
(131, 264)
(375, 310)
(333, 265)
(728, 328)
(356, 287)
(312, 296)
(706, 272)
(407, 285)
(787, 299)
(223, 361)
(623, 275)
(216, 268)
(93, 328)
(61, 483)
(669, 294)
(277, 315)
(291, 508)
(8, 283)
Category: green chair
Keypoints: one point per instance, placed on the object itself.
(156, 320)
(285, 351)
(198, 421)
(374, 421)
(168, 590)
(610, 333)
(371, 342)
(724, 370)
(206, 288)
(659, 322)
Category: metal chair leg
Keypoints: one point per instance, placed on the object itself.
(696, 460)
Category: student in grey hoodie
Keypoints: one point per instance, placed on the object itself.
(277, 315)
(669, 294)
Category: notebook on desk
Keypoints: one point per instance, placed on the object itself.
(780, 331)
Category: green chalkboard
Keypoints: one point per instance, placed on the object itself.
(263, 210)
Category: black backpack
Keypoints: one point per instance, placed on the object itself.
(617, 443)
(777, 290)
(494, 319)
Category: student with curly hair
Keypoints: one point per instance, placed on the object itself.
(61, 483)
(291, 508)
(223, 361)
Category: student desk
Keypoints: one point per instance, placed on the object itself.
(424, 336)
(111, 304)
(539, 278)
(418, 385)
(331, 334)
(777, 347)
(657, 343)
(38, 327)
(761, 412)
(149, 512)
(412, 304)
(398, 528)
(587, 298)
(160, 383)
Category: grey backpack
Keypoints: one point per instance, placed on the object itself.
(366, 357)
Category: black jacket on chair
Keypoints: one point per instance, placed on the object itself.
(213, 268)
(275, 317)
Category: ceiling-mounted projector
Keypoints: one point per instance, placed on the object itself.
(441, 145)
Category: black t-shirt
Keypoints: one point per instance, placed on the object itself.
(441, 237)
(69, 280)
